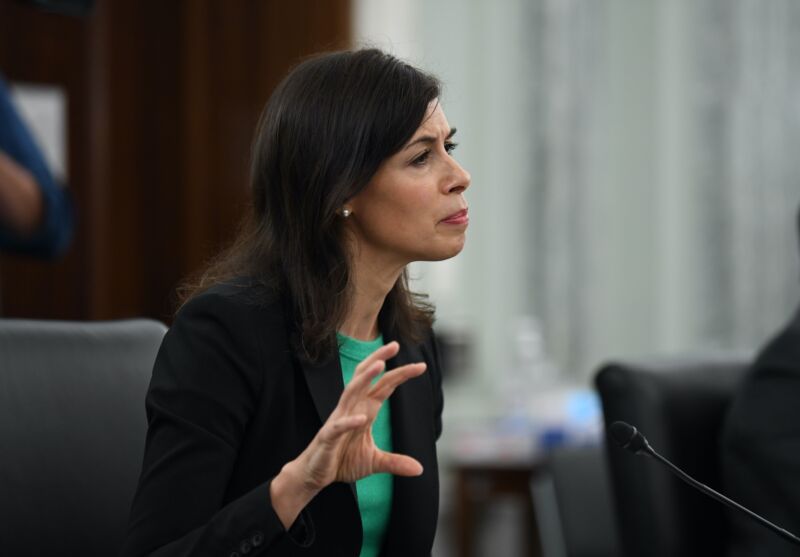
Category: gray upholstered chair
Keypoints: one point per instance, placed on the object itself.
(574, 505)
(72, 427)
(679, 404)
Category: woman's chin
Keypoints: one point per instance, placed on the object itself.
(446, 250)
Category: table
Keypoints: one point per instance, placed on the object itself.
(477, 483)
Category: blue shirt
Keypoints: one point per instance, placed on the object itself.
(55, 232)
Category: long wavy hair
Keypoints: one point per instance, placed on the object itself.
(323, 134)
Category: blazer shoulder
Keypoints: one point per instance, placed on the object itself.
(229, 324)
(779, 360)
(430, 349)
(237, 299)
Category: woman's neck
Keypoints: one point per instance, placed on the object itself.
(371, 283)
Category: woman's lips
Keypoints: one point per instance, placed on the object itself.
(460, 217)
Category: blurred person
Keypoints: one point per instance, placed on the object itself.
(36, 214)
(273, 427)
(761, 447)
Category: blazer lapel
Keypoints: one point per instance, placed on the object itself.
(325, 383)
(324, 379)
(414, 500)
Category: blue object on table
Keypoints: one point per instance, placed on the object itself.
(552, 437)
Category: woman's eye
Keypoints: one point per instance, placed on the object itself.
(449, 147)
(422, 159)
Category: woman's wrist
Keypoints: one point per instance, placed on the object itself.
(290, 492)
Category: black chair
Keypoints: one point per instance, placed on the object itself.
(679, 405)
(72, 427)
(574, 506)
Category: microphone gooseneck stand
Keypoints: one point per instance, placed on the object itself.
(628, 437)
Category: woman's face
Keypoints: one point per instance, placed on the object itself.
(414, 209)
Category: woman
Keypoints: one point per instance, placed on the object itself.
(255, 446)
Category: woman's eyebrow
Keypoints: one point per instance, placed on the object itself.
(429, 139)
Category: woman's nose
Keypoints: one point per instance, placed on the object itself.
(460, 180)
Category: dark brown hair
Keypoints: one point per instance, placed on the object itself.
(320, 139)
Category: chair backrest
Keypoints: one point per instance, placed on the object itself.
(573, 492)
(72, 428)
(679, 405)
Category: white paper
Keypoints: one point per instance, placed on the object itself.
(44, 110)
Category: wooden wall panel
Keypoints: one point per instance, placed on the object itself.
(164, 97)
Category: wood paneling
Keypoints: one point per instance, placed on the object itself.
(163, 100)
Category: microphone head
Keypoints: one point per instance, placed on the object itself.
(628, 437)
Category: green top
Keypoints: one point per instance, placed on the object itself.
(374, 492)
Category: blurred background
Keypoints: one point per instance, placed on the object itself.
(635, 183)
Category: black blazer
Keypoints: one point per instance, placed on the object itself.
(230, 403)
(761, 448)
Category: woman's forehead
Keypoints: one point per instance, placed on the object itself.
(434, 123)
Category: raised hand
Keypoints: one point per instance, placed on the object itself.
(344, 449)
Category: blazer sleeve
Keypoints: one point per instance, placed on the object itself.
(205, 386)
(760, 452)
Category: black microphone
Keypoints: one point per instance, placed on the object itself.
(628, 437)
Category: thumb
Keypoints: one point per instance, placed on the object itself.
(397, 464)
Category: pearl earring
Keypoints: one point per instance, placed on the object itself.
(346, 212)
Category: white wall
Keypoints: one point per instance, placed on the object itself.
(473, 47)
(659, 236)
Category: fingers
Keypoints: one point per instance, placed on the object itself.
(384, 388)
(385, 352)
(369, 368)
(359, 384)
(397, 464)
